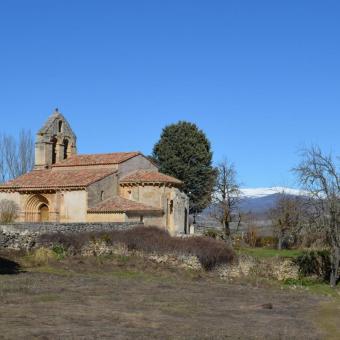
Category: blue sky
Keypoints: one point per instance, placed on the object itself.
(261, 78)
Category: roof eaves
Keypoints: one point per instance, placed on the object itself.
(126, 211)
(18, 188)
(93, 211)
(178, 182)
(82, 185)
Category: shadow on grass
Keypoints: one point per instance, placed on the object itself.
(8, 267)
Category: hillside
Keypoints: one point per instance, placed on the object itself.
(254, 201)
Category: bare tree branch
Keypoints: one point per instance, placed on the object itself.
(320, 176)
(16, 156)
(226, 195)
(287, 217)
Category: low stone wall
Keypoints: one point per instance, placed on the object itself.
(200, 229)
(25, 235)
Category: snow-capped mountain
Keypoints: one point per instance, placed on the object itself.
(262, 192)
(260, 200)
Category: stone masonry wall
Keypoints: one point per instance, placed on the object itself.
(25, 235)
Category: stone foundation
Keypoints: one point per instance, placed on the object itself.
(25, 235)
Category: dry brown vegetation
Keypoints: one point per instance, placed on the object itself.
(210, 252)
(129, 297)
(56, 291)
(9, 211)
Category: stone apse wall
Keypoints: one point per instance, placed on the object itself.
(25, 235)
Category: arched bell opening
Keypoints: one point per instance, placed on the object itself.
(54, 149)
(66, 148)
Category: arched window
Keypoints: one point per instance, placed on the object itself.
(60, 126)
(65, 148)
(102, 196)
(54, 150)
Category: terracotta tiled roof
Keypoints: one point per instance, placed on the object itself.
(147, 176)
(97, 159)
(57, 179)
(120, 204)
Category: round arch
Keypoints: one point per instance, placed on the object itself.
(37, 209)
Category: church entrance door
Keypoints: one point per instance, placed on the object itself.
(44, 213)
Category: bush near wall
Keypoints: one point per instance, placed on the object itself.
(209, 252)
(314, 263)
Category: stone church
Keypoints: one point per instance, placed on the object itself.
(66, 187)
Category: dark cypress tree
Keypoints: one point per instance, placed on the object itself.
(184, 152)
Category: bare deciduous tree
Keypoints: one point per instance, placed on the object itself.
(286, 217)
(2, 162)
(16, 156)
(10, 155)
(226, 196)
(320, 176)
(25, 152)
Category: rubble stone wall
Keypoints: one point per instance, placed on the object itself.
(25, 235)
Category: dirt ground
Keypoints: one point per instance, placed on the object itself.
(122, 298)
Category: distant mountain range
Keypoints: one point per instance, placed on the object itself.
(260, 192)
(260, 200)
(257, 201)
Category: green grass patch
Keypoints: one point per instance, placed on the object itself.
(123, 259)
(268, 252)
(313, 286)
(59, 252)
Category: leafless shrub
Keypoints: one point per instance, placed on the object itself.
(210, 252)
(9, 211)
(73, 243)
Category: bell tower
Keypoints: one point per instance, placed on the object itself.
(55, 141)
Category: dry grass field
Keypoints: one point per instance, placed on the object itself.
(130, 298)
